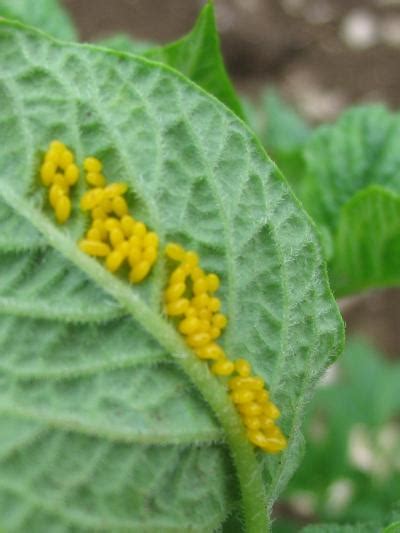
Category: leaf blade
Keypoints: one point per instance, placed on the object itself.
(197, 185)
(47, 15)
(353, 161)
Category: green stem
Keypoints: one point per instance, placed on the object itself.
(214, 392)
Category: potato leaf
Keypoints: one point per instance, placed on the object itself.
(352, 190)
(125, 43)
(284, 134)
(47, 15)
(353, 415)
(107, 420)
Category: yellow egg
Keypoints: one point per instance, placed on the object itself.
(116, 237)
(94, 235)
(177, 308)
(175, 291)
(119, 206)
(114, 260)
(175, 251)
(150, 254)
(242, 396)
(127, 225)
(250, 409)
(272, 411)
(94, 248)
(197, 340)
(213, 282)
(47, 173)
(55, 193)
(57, 146)
(115, 189)
(222, 368)
(200, 286)
(139, 272)
(139, 230)
(95, 179)
(252, 422)
(92, 164)
(72, 174)
(66, 158)
(242, 366)
(151, 239)
(63, 209)
(188, 326)
(191, 258)
(177, 275)
(135, 255)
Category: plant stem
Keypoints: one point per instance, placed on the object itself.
(248, 470)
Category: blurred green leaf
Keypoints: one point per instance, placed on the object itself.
(284, 129)
(197, 55)
(352, 188)
(47, 15)
(337, 528)
(367, 241)
(392, 528)
(284, 134)
(354, 411)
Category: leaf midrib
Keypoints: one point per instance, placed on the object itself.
(15, 306)
(210, 388)
(248, 470)
(110, 433)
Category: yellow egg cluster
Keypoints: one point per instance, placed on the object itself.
(114, 234)
(59, 172)
(258, 412)
(190, 296)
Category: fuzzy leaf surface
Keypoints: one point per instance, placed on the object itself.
(101, 426)
(47, 15)
(125, 43)
(352, 190)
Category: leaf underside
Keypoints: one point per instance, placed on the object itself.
(48, 15)
(99, 427)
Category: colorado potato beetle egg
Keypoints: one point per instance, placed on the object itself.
(59, 173)
(117, 238)
(92, 164)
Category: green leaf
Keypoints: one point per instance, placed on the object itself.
(362, 402)
(284, 134)
(352, 189)
(197, 56)
(367, 241)
(392, 528)
(107, 420)
(125, 43)
(284, 130)
(47, 15)
(341, 528)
